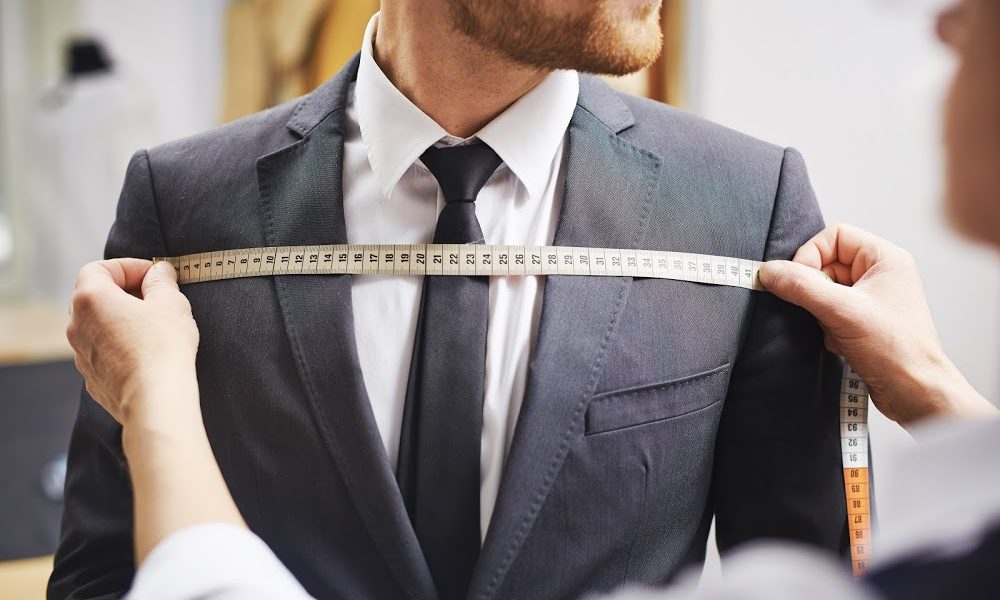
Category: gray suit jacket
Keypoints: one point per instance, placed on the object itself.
(651, 405)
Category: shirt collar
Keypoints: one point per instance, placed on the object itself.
(395, 132)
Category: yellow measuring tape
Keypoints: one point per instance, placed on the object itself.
(478, 259)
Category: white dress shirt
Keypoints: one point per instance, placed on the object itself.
(390, 197)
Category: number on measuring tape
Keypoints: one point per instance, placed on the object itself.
(854, 446)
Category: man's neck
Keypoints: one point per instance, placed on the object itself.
(454, 80)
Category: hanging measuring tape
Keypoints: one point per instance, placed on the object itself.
(478, 259)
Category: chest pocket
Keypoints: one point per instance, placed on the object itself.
(619, 409)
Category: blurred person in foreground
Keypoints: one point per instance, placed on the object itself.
(454, 437)
(945, 540)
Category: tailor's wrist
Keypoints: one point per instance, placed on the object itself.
(163, 399)
(155, 434)
(149, 374)
(943, 392)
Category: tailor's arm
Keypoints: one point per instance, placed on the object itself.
(135, 342)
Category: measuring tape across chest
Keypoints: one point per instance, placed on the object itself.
(478, 259)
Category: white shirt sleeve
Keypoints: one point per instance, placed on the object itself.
(763, 571)
(941, 496)
(214, 562)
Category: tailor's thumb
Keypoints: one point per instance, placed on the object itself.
(160, 282)
(807, 287)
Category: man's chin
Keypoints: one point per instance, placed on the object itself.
(620, 52)
(621, 45)
(625, 63)
(613, 38)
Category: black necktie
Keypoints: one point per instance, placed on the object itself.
(443, 416)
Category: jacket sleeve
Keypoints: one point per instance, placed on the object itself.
(95, 554)
(778, 467)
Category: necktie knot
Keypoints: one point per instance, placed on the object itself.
(461, 171)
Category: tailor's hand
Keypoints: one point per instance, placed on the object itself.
(866, 294)
(134, 337)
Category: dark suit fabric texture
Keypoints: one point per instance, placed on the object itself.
(651, 405)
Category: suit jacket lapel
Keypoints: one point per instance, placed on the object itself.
(610, 185)
(301, 190)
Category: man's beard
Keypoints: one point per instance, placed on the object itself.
(593, 40)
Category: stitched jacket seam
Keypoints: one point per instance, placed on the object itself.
(752, 308)
(156, 203)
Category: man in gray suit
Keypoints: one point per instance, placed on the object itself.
(472, 438)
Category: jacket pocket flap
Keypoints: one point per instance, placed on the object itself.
(619, 409)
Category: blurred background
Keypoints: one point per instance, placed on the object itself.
(855, 85)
